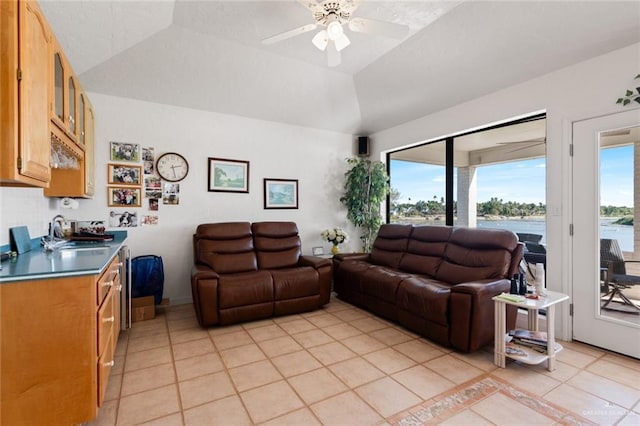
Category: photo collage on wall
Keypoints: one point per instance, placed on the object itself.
(133, 189)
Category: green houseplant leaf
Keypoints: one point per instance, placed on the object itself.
(630, 96)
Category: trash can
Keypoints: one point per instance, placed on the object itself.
(147, 277)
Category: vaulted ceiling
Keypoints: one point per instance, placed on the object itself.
(208, 54)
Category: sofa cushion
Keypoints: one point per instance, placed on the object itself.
(225, 247)
(277, 244)
(247, 288)
(390, 244)
(295, 282)
(381, 283)
(425, 249)
(425, 298)
(477, 254)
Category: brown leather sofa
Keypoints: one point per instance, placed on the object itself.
(245, 271)
(437, 281)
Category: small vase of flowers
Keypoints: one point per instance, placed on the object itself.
(335, 236)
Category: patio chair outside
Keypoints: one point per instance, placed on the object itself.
(532, 238)
(616, 278)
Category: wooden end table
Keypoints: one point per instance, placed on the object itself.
(532, 306)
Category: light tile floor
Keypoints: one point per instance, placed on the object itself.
(341, 365)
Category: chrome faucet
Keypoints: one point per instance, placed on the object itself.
(56, 237)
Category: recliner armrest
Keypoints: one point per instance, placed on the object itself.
(314, 261)
(351, 256)
(481, 288)
(203, 271)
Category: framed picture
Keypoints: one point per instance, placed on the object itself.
(228, 175)
(280, 193)
(124, 196)
(318, 251)
(122, 151)
(124, 174)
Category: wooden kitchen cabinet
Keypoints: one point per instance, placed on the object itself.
(89, 149)
(78, 182)
(64, 92)
(25, 70)
(58, 343)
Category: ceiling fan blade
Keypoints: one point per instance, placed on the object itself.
(375, 27)
(292, 33)
(525, 147)
(312, 5)
(333, 56)
(535, 141)
(350, 6)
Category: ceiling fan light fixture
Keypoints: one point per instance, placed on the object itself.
(320, 40)
(335, 30)
(342, 42)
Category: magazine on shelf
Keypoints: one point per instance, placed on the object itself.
(535, 346)
(529, 335)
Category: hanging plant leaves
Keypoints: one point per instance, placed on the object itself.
(630, 96)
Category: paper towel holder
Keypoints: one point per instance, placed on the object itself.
(68, 203)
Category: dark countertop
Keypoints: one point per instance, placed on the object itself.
(89, 259)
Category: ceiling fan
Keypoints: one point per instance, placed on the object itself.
(527, 143)
(331, 16)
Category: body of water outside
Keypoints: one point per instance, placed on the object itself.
(622, 233)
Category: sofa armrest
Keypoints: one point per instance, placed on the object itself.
(324, 268)
(204, 290)
(203, 272)
(351, 256)
(313, 261)
(472, 313)
(483, 288)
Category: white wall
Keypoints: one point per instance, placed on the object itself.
(574, 93)
(25, 206)
(314, 157)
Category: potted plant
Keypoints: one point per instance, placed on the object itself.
(365, 188)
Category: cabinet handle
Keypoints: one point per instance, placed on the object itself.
(120, 287)
(119, 264)
(109, 364)
(107, 284)
(110, 319)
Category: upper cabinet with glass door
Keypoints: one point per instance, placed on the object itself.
(71, 131)
(77, 181)
(65, 111)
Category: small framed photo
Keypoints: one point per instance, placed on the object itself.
(171, 193)
(228, 175)
(124, 219)
(280, 193)
(122, 151)
(124, 174)
(318, 251)
(124, 196)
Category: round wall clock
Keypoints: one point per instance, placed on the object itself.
(172, 167)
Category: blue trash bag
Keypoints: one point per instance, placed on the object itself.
(147, 277)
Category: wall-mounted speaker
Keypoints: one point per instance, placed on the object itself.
(363, 145)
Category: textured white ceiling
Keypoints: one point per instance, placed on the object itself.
(208, 54)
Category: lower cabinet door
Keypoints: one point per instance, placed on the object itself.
(105, 362)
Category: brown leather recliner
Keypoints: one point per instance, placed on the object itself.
(245, 271)
(435, 280)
